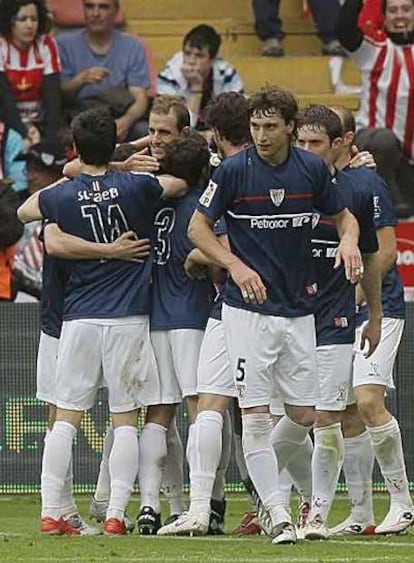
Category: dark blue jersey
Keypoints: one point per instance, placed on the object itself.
(100, 209)
(220, 228)
(55, 274)
(392, 288)
(178, 301)
(268, 211)
(335, 304)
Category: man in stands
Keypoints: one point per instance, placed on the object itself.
(101, 65)
(198, 74)
(386, 118)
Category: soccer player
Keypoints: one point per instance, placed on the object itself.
(320, 131)
(268, 194)
(105, 314)
(228, 118)
(369, 428)
(180, 310)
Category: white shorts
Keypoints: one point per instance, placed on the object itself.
(214, 374)
(378, 368)
(335, 376)
(119, 350)
(268, 354)
(277, 408)
(176, 352)
(46, 368)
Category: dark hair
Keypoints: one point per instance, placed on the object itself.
(318, 117)
(164, 104)
(229, 114)
(347, 118)
(94, 135)
(270, 100)
(10, 8)
(188, 158)
(203, 36)
(123, 152)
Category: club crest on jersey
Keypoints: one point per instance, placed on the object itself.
(277, 195)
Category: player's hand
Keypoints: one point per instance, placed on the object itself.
(371, 336)
(128, 247)
(348, 253)
(249, 282)
(193, 76)
(361, 158)
(94, 74)
(194, 269)
(138, 162)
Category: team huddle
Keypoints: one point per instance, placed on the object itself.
(265, 273)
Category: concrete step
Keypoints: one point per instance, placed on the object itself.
(201, 9)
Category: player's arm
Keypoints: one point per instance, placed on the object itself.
(197, 264)
(125, 247)
(30, 209)
(172, 187)
(201, 233)
(371, 284)
(348, 251)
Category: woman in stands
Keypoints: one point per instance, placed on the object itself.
(29, 70)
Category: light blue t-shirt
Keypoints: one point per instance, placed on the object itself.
(125, 60)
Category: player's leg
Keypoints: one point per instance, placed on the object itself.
(77, 376)
(205, 435)
(128, 361)
(173, 472)
(334, 375)
(371, 378)
(161, 395)
(357, 468)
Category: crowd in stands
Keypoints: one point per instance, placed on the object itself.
(47, 78)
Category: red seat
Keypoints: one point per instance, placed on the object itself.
(70, 13)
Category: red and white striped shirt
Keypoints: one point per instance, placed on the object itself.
(25, 71)
(387, 89)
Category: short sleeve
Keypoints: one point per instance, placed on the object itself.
(218, 195)
(50, 55)
(138, 74)
(327, 196)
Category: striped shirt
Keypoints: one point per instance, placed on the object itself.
(172, 81)
(25, 70)
(387, 81)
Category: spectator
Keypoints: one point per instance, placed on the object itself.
(11, 230)
(29, 70)
(385, 121)
(197, 74)
(11, 171)
(45, 162)
(102, 66)
(269, 26)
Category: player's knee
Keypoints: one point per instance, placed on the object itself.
(370, 409)
(305, 416)
(256, 432)
(352, 424)
(326, 418)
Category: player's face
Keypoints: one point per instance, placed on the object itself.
(25, 26)
(198, 59)
(399, 16)
(271, 135)
(318, 142)
(100, 15)
(162, 131)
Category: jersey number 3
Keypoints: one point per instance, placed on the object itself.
(164, 223)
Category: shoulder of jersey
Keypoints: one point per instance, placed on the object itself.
(215, 160)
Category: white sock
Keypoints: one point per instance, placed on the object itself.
(328, 455)
(220, 481)
(152, 453)
(357, 467)
(173, 472)
(103, 484)
(206, 445)
(262, 465)
(56, 460)
(285, 488)
(68, 505)
(299, 467)
(239, 457)
(387, 444)
(286, 437)
(123, 469)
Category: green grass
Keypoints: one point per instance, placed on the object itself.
(21, 542)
